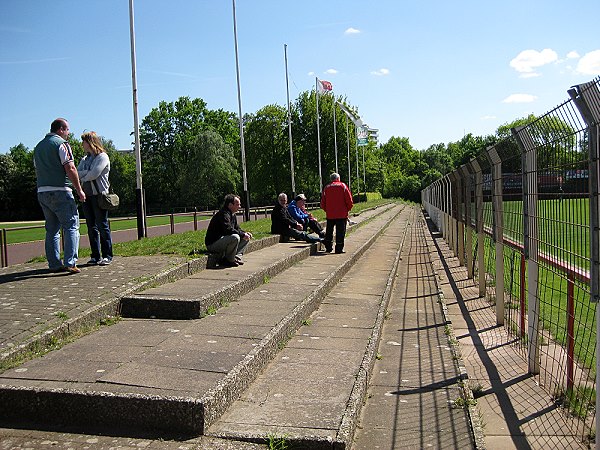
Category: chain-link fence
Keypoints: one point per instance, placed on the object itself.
(524, 218)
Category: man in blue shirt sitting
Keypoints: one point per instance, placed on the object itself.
(298, 212)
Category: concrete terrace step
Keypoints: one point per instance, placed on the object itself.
(312, 392)
(189, 299)
(171, 375)
(192, 297)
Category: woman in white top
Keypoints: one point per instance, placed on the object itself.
(93, 173)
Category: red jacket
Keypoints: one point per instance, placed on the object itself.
(336, 200)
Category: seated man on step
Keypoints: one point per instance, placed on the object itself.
(282, 223)
(224, 236)
(297, 209)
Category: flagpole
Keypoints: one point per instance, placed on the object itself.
(239, 93)
(287, 88)
(318, 135)
(335, 138)
(357, 172)
(348, 142)
(139, 191)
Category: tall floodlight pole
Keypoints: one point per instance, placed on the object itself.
(139, 191)
(335, 138)
(287, 89)
(318, 136)
(239, 93)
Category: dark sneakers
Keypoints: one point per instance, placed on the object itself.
(227, 263)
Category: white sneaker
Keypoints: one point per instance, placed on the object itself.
(104, 261)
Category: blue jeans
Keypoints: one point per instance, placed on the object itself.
(60, 211)
(99, 235)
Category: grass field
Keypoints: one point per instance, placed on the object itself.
(14, 235)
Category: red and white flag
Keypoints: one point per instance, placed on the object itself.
(325, 86)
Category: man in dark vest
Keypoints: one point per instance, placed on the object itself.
(56, 177)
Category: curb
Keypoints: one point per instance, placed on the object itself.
(472, 413)
(348, 425)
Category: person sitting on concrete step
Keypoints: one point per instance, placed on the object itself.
(297, 209)
(224, 236)
(283, 224)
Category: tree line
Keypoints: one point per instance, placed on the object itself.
(191, 158)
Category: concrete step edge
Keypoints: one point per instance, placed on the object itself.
(157, 307)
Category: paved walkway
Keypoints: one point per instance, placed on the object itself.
(514, 411)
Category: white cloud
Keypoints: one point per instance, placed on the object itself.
(380, 72)
(352, 31)
(589, 64)
(331, 71)
(529, 75)
(311, 74)
(519, 98)
(528, 60)
(572, 55)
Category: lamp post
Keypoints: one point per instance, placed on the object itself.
(239, 93)
(139, 191)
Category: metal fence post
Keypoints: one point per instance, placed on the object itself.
(498, 230)
(587, 99)
(479, 226)
(453, 214)
(460, 216)
(444, 201)
(468, 223)
(530, 242)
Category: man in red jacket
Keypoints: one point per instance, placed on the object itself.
(336, 201)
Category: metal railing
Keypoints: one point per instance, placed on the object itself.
(524, 217)
(195, 215)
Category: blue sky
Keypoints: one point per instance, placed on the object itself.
(430, 70)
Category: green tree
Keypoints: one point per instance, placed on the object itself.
(23, 186)
(268, 154)
(166, 137)
(210, 173)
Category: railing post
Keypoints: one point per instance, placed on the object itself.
(530, 242)
(570, 331)
(445, 208)
(498, 230)
(3, 249)
(468, 224)
(587, 99)
(172, 220)
(453, 221)
(479, 226)
(195, 219)
(460, 216)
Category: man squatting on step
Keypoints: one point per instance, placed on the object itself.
(224, 236)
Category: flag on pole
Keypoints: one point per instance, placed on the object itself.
(325, 86)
